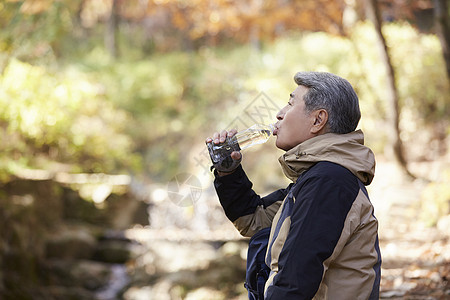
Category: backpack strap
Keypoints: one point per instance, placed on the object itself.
(257, 271)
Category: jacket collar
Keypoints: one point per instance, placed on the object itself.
(347, 150)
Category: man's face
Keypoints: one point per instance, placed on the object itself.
(294, 123)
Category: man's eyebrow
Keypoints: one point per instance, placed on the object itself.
(291, 95)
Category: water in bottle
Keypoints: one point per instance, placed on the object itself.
(255, 135)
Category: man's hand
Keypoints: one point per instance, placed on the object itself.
(219, 138)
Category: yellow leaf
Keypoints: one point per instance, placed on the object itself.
(32, 7)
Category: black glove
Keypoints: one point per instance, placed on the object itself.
(221, 155)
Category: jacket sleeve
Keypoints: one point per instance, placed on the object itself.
(246, 209)
(319, 208)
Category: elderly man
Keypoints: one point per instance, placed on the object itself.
(323, 240)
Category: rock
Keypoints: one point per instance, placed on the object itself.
(48, 240)
(114, 247)
(168, 257)
(443, 225)
(139, 293)
(205, 294)
(63, 293)
(124, 211)
(89, 275)
(114, 251)
(81, 210)
(71, 243)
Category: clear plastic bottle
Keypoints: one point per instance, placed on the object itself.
(255, 135)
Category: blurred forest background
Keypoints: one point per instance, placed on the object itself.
(104, 104)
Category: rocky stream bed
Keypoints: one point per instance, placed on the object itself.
(130, 242)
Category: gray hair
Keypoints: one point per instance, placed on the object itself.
(335, 95)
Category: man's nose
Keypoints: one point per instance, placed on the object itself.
(280, 114)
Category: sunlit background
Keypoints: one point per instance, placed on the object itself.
(105, 105)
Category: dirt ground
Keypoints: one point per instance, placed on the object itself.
(416, 255)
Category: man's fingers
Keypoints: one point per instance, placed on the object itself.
(223, 136)
(220, 137)
(232, 132)
(215, 138)
(236, 155)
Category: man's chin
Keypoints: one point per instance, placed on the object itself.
(281, 146)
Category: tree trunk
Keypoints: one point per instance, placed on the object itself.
(395, 143)
(111, 30)
(443, 29)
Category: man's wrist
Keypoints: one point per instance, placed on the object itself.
(221, 174)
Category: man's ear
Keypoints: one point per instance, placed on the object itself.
(320, 120)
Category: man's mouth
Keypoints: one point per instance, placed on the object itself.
(275, 131)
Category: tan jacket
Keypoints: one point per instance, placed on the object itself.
(324, 240)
